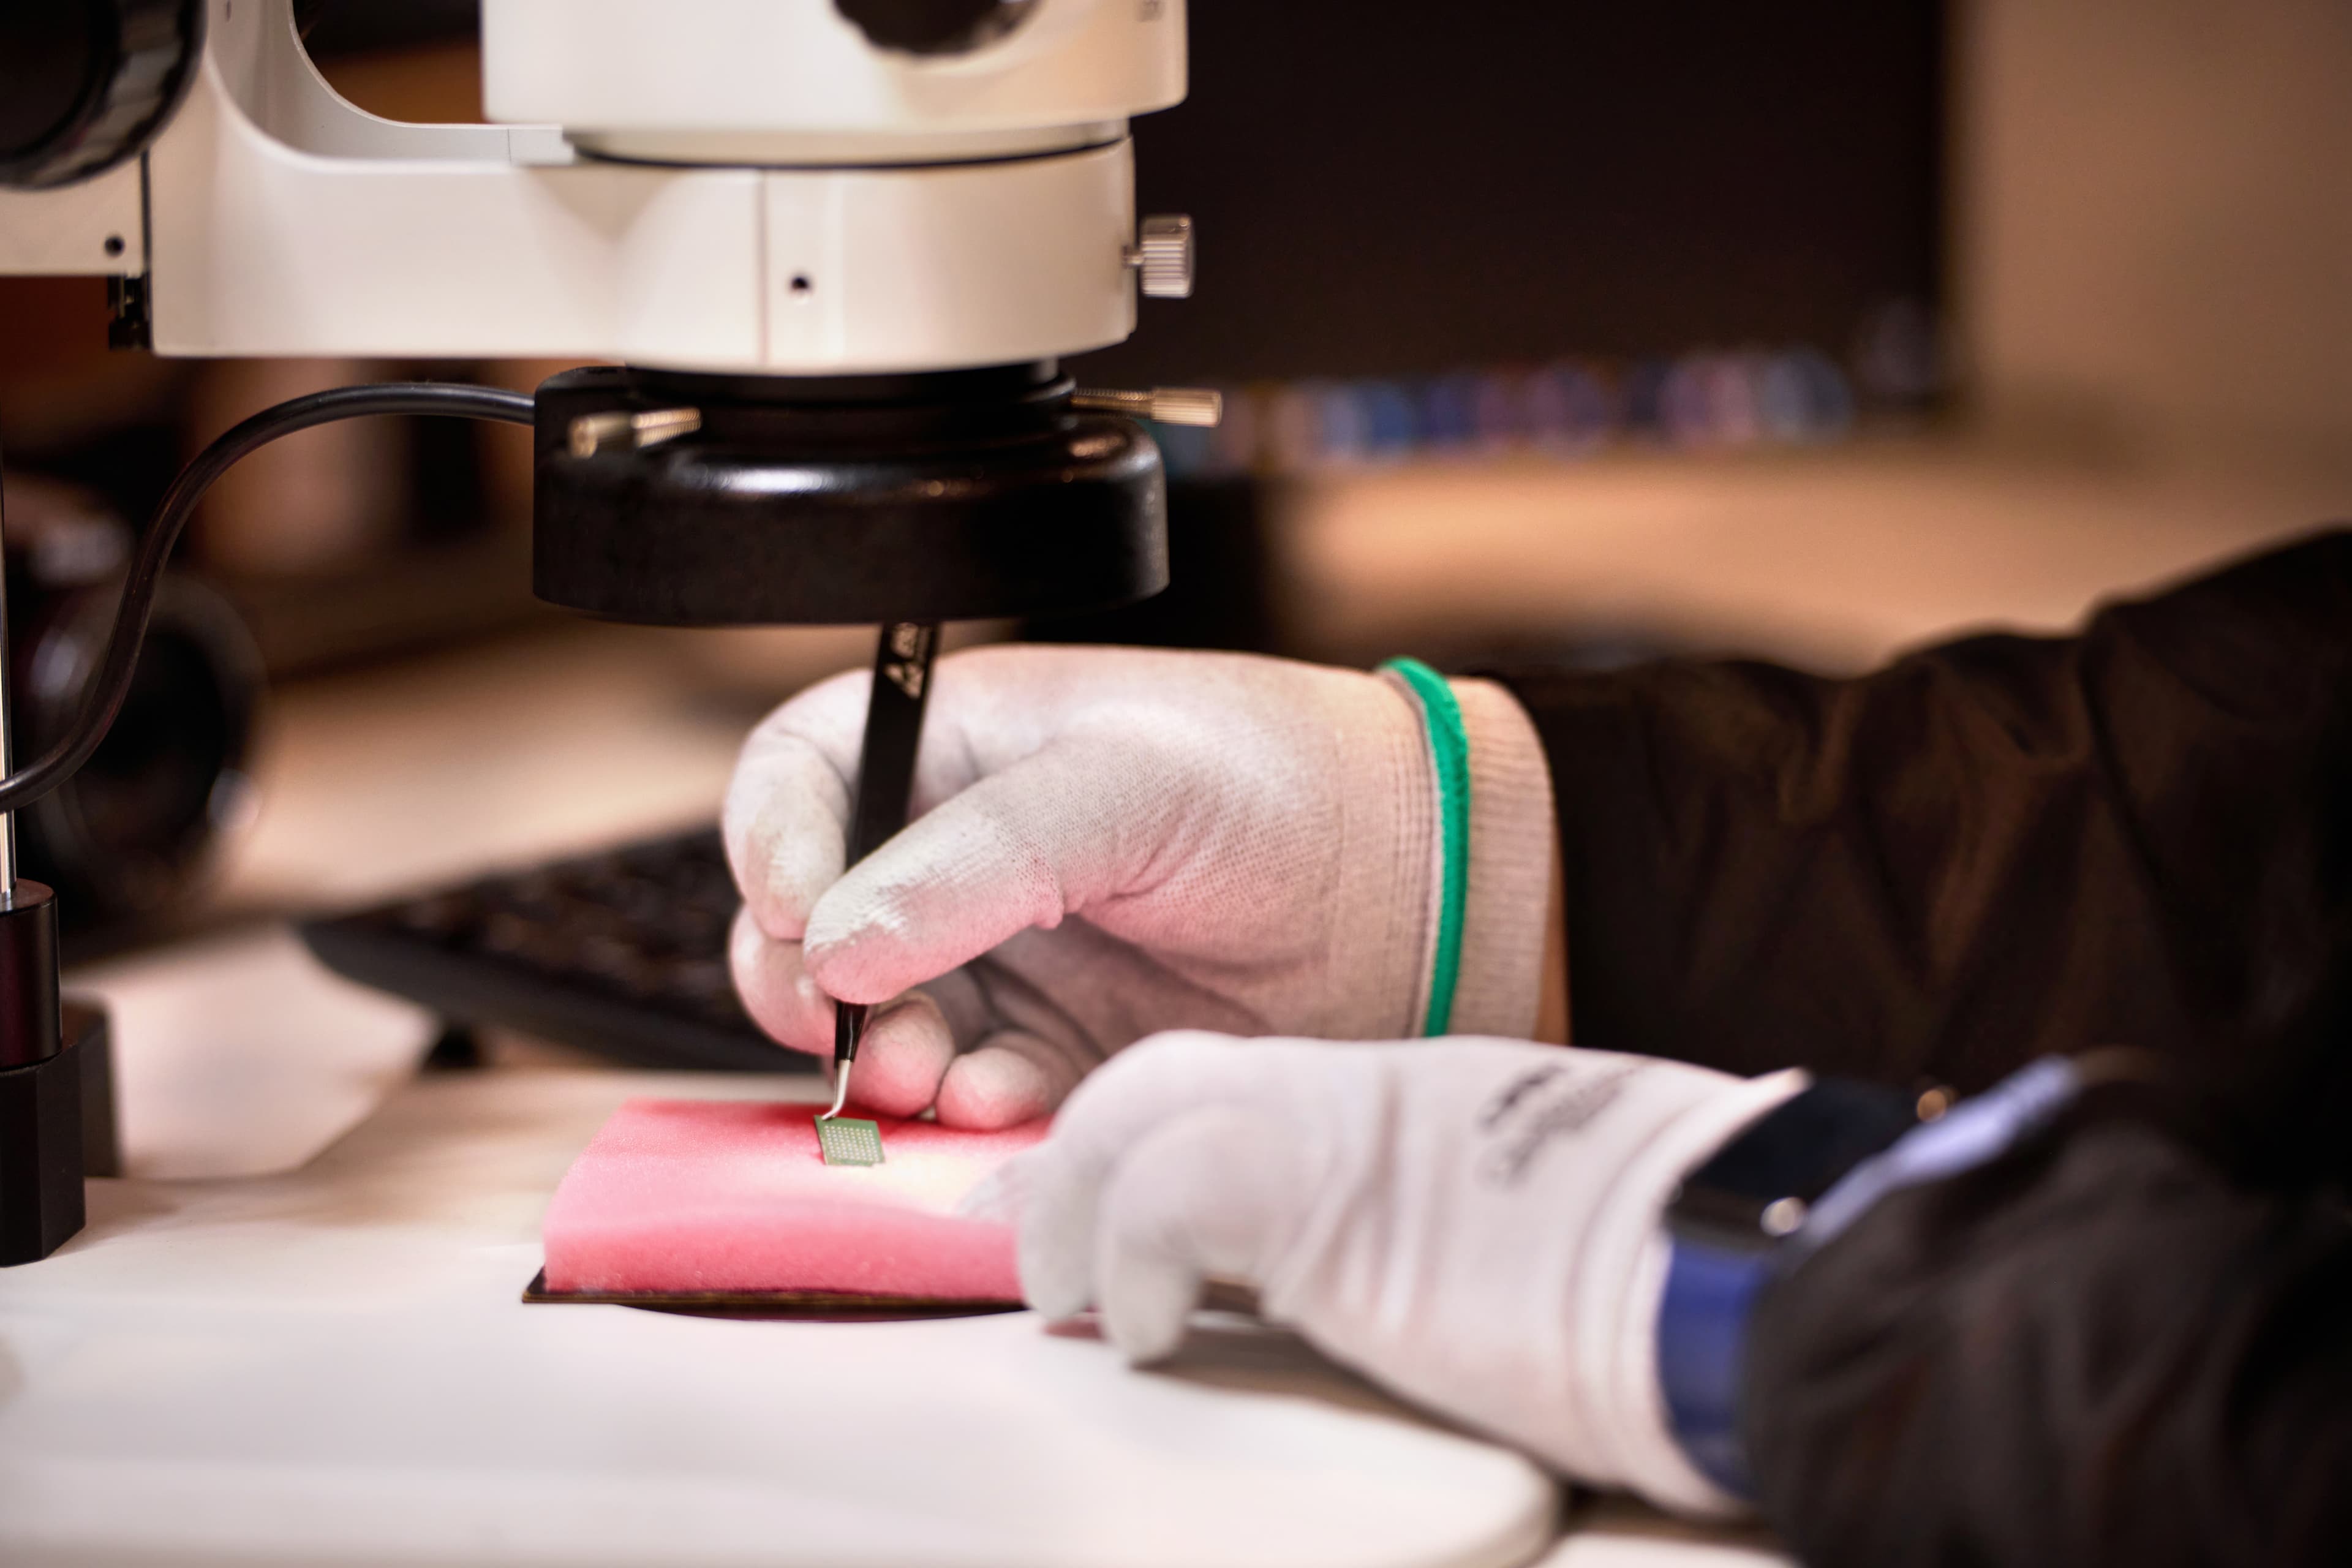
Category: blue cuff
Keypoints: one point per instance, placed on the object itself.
(1715, 1276)
(1703, 1353)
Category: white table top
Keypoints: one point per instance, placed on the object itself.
(332, 1366)
(240, 1055)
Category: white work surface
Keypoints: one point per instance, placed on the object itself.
(332, 1367)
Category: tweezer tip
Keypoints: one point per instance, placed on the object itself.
(840, 1091)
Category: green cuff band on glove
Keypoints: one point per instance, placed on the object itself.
(1449, 745)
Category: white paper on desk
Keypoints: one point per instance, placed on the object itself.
(242, 1055)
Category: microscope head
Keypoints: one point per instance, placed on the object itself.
(947, 210)
(830, 255)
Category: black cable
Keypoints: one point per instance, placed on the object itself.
(104, 697)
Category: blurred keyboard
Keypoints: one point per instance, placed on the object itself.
(623, 953)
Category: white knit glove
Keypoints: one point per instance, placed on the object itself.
(1115, 841)
(1475, 1224)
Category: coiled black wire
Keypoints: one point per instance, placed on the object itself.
(104, 697)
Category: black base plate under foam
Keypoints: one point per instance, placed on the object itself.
(802, 1306)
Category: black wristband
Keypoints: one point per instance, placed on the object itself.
(1725, 1225)
(1757, 1188)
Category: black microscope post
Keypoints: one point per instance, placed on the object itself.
(40, 1069)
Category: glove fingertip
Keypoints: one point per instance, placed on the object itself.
(791, 878)
(775, 989)
(861, 945)
(1146, 1301)
(1057, 1226)
(1050, 1300)
(782, 864)
(996, 1088)
(907, 1046)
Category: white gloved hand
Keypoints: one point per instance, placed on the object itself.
(1114, 841)
(1475, 1223)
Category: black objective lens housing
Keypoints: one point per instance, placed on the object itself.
(952, 495)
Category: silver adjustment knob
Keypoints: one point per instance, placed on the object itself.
(1163, 253)
(593, 433)
(1168, 405)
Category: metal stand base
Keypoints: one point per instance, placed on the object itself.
(40, 1087)
(57, 1087)
(40, 1158)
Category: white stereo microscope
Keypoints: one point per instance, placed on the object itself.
(831, 252)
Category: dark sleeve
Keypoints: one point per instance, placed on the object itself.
(1986, 852)
(2129, 1341)
(2104, 1351)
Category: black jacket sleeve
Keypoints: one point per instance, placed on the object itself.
(2131, 1341)
(2106, 1351)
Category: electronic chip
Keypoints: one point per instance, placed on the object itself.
(849, 1141)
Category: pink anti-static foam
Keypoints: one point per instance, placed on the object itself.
(677, 1196)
